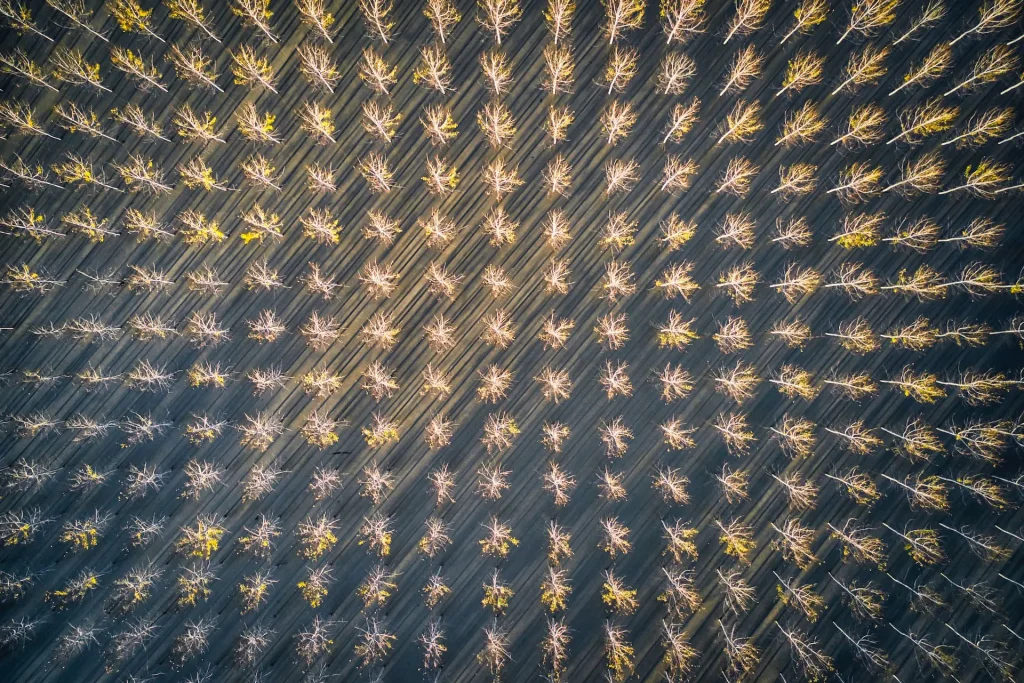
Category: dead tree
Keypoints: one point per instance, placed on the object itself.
(982, 545)
(314, 641)
(252, 642)
(995, 656)
(266, 379)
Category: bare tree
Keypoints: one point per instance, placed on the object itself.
(930, 14)
(795, 542)
(939, 657)
(808, 14)
(737, 382)
(801, 127)
(739, 595)
(863, 126)
(986, 548)
(992, 16)
(74, 119)
(76, 640)
(933, 66)
(557, 123)
(922, 175)
(76, 12)
(194, 66)
(32, 176)
(497, 594)
(922, 545)
(252, 642)
(375, 484)
(134, 588)
(379, 75)
(868, 18)
(135, 67)
(746, 65)
(71, 67)
(495, 654)
(740, 653)
(738, 540)
(748, 17)
(260, 430)
(435, 590)
(314, 641)
(375, 642)
(18, 115)
(803, 598)
(814, 664)
(267, 379)
(443, 16)
(996, 658)
(317, 536)
(194, 641)
(256, 14)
